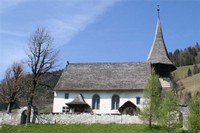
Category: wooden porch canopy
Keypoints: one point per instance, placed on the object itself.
(78, 102)
(126, 105)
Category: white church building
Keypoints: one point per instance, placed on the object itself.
(111, 88)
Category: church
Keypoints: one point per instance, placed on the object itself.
(111, 88)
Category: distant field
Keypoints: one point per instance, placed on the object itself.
(81, 128)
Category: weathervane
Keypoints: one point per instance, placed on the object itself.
(158, 9)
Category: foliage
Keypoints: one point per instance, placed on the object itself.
(188, 56)
(82, 128)
(168, 111)
(152, 96)
(194, 116)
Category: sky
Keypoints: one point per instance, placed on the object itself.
(89, 31)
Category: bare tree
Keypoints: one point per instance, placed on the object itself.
(11, 87)
(42, 58)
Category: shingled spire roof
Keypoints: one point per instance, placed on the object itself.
(158, 53)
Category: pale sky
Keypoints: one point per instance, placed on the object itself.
(96, 30)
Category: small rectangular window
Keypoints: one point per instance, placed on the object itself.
(66, 95)
(137, 100)
(65, 109)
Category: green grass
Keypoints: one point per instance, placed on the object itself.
(191, 84)
(181, 72)
(82, 128)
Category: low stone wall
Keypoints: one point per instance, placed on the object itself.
(86, 119)
(13, 118)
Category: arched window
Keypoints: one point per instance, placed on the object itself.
(115, 102)
(95, 101)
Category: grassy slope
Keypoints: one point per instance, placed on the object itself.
(191, 84)
(81, 128)
(181, 72)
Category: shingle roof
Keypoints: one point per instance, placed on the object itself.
(127, 104)
(158, 53)
(78, 100)
(104, 76)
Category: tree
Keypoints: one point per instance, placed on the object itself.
(195, 69)
(168, 111)
(152, 96)
(42, 58)
(11, 87)
(189, 72)
(194, 116)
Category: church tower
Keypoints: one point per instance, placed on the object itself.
(158, 56)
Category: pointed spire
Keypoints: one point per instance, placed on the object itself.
(158, 53)
(158, 9)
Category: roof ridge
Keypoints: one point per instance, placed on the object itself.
(87, 63)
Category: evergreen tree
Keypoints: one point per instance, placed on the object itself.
(194, 116)
(189, 73)
(176, 57)
(152, 96)
(187, 56)
(195, 69)
(168, 111)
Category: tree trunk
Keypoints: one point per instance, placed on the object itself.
(150, 118)
(28, 119)
(11, 102)
(169, 128)
(9, 108)
(169, 124)
(30, 102)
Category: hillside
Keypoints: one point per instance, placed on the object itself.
(182, 72)
(188, 83)
(191, 84)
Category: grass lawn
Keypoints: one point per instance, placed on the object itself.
(81, 128)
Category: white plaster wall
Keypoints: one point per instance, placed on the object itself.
(105, 99)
